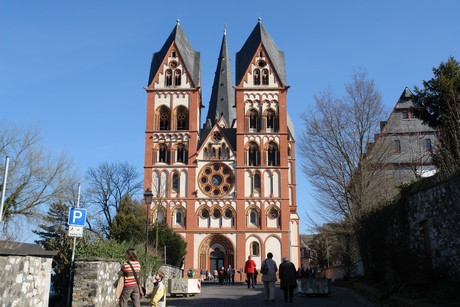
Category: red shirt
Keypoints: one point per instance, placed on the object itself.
(249, 266)
(130, 281)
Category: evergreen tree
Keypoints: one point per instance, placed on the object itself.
(129, 223)
(53, 236)
(175, 245)
(439, 107)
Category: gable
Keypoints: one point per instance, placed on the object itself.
(172, 73)
(218, 144)
(261, 72)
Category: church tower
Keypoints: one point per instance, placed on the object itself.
(172, 129)
(228, 188)
(265, 151)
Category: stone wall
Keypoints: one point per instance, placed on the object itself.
(24, 280)
(433, 215)
(93, 283)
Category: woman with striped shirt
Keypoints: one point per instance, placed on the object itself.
(130, 289)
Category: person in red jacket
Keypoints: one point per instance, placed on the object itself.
(249, 268)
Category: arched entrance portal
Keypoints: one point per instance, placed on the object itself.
(216, 251)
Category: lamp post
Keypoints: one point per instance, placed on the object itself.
(156, 233)
(148, 195)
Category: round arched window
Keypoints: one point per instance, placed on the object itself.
(228, 213)
(216, 213)
(273, 213)
(204, 213)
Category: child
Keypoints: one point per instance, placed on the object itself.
(159, 291)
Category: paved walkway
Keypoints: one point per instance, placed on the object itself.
(215, 295)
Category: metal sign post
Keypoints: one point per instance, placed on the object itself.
(5, 177)
(76, 219)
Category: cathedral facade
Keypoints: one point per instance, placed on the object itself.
(226, 184)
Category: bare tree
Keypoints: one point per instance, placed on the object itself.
(36, 178)
(107, 184)
(335, 143)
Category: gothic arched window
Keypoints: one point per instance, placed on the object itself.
(176, 183)
(256, 76)
(265, 76)
(182, 118)
(177, 77)
(272, 154)
(253, 218)
(257, 182)
(272, 120)
(181, 154)
(255, 249)
(179, 217)
(253, 120)
(163, 153)
(163, 118)
(253, 154)
(168, 77)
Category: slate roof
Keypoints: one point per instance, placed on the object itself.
(190, 57)
(405, 100)
(247, 52)
(24, 249)
(223, 94)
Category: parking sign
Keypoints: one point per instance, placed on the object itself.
(77, 216)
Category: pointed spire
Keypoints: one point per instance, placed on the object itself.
(244, 57)
(223, 95)
(190, 57)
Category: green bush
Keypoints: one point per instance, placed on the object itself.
(102, 249)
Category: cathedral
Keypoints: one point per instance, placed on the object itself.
(225, 183)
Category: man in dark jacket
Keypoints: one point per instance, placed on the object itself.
(287, 274)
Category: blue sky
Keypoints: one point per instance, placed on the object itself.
(77, 69)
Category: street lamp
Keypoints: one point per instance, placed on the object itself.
(148, 195)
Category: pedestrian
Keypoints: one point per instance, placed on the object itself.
(216, 275)
(222, 275)
(191, 273)
(268, 270)
(231, 275)
(288, 274)
(130, 270)
(249, 268)
(159, 291)
(202, 274)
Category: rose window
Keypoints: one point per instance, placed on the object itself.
(216, 179)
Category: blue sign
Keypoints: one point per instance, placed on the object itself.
(77, 216)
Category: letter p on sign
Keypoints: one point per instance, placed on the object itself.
(77, 216)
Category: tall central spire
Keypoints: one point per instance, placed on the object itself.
(223, 95)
